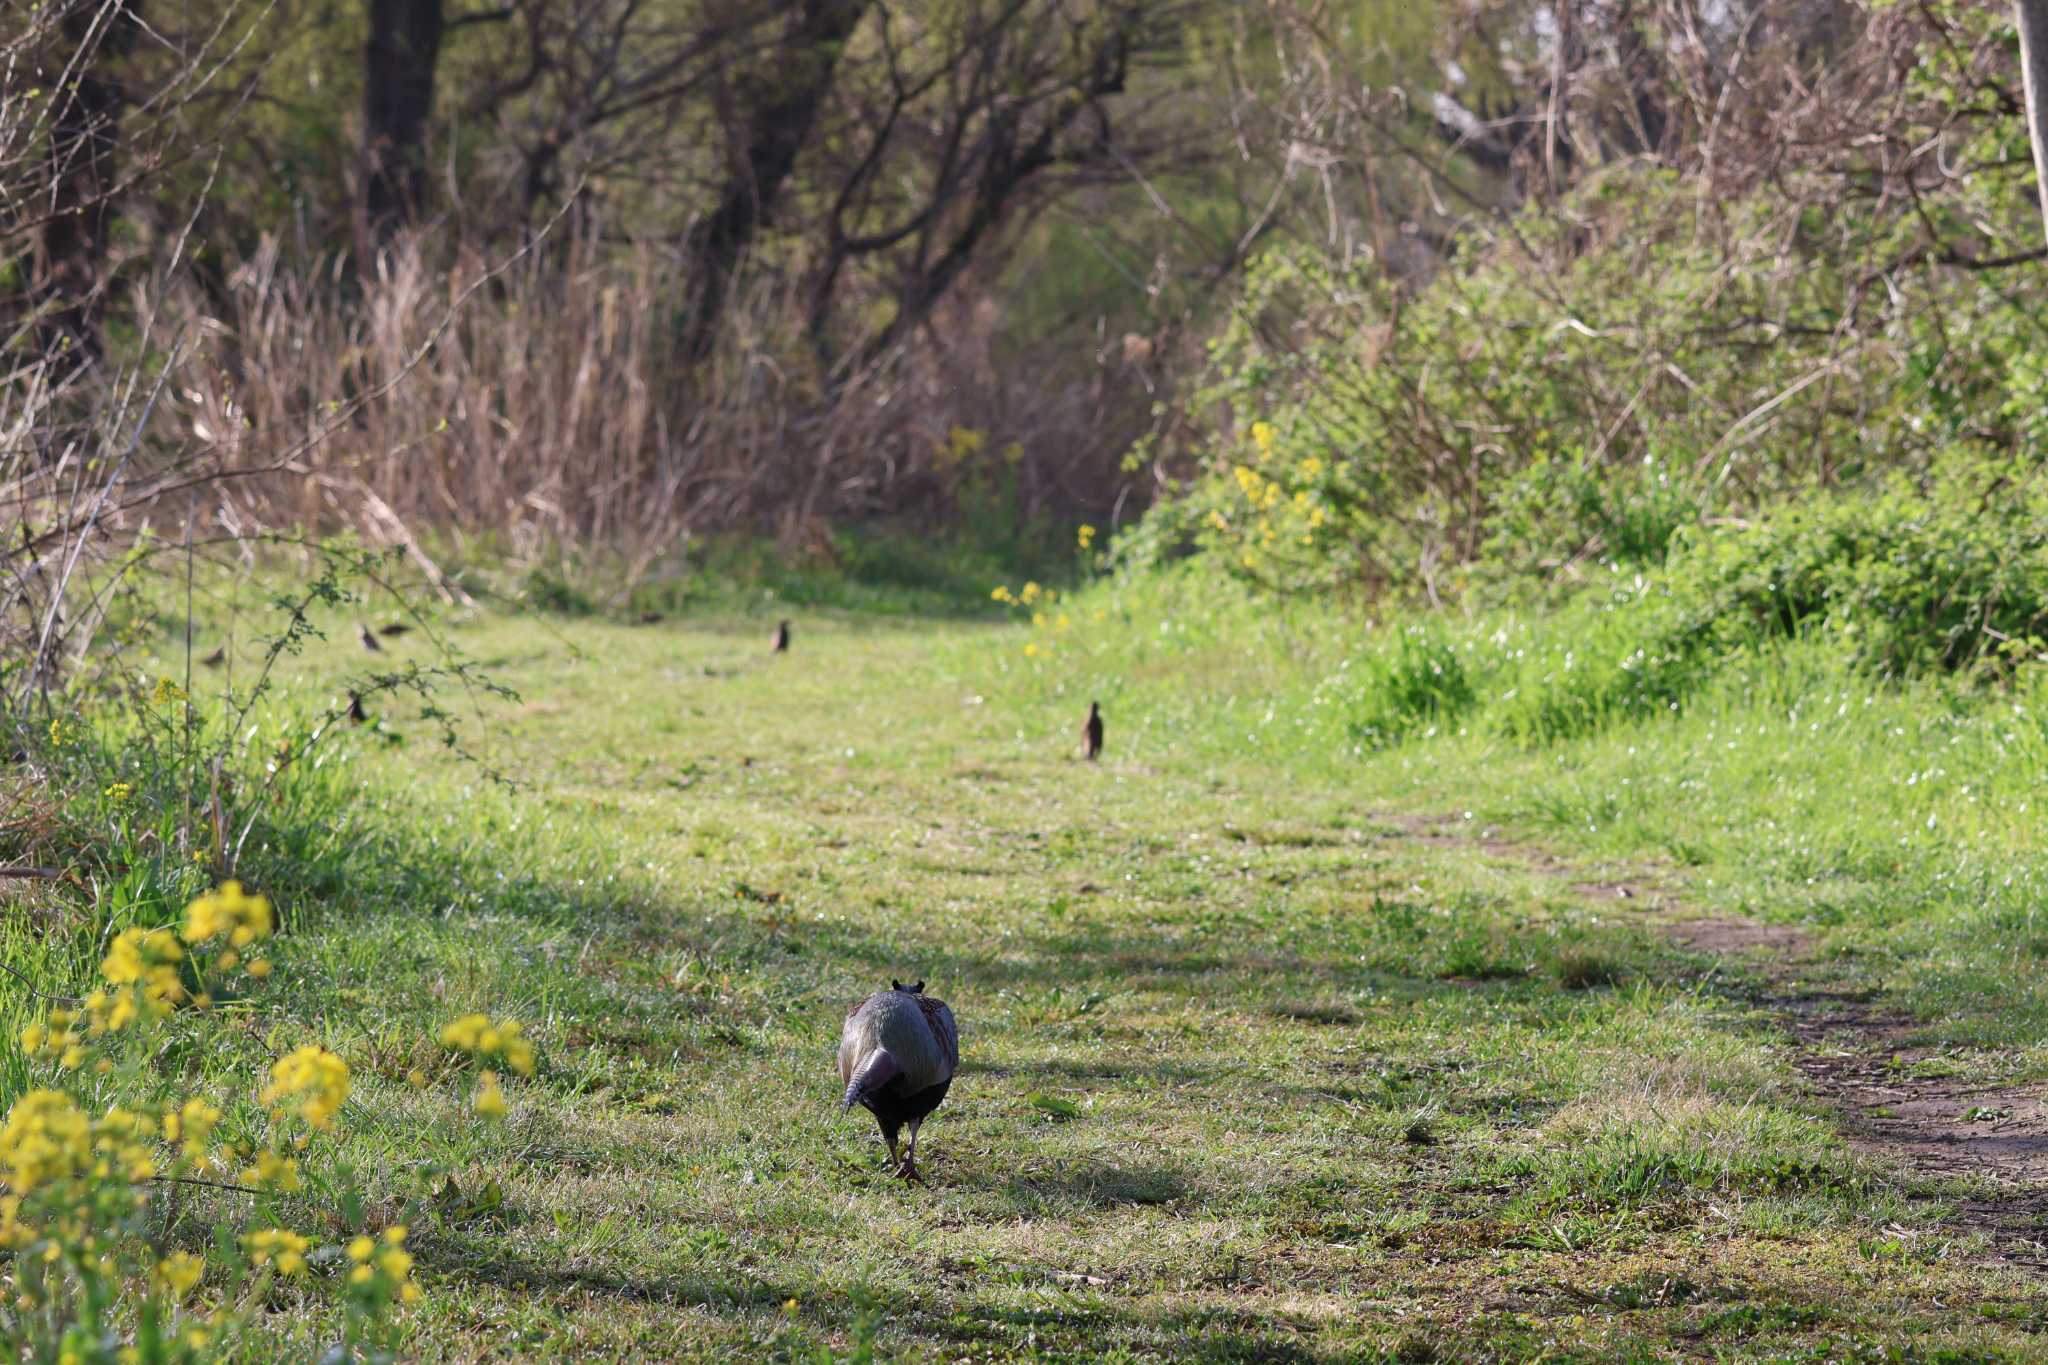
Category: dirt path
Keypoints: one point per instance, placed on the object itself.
(1899, 1102)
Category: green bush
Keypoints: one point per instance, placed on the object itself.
(1954, 579)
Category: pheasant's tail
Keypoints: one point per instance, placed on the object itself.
(871, 1075)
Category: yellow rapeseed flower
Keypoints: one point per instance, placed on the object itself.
(1262, 437)
(180, 1272)
(503, 1041)
(273, 1172)
(46, 1138)
(146, 958)
(192, 1125)
(118, 792)
(285, 1250)
(228, 912)
(313, 1076)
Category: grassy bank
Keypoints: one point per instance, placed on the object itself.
(1251, 1071)
(1899, 820)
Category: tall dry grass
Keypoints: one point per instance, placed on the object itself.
(548, 401)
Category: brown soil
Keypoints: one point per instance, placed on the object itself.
(1894, 1100)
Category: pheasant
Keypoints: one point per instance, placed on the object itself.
(782, 638)
(897, 1054)
(1091, 733)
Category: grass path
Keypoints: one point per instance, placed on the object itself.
(1895, 1097)
(1254, 1068)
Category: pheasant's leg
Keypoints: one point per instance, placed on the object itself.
(889, 1136)
(908, 1170)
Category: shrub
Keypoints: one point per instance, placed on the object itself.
(1951, 579)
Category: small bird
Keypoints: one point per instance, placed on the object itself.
(782, 638)
(1091, 732)
(215, 659)
(369, 640)
(897, 1054)
(395, 628)
(355, 712)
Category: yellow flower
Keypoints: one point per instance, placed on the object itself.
(490, 1100)
(167, 691)
(416, 1078)
(1311, 467)
(273, 1172)
(503, 1041)
(962, 442)
(259, 967)
(1086, 535)
(180, 1272)
(362, 1249)
(1262, 437)
(46, 1138)
(316, 1078)
(286, 1250)
(193, 1125)
(1003, 594)
(146, 958)
(118, 793)
(243, 919)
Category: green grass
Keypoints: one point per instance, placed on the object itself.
(1249, 1073)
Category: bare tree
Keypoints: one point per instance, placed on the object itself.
(78, 193)
(2032, 18)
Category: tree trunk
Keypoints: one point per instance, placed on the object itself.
(83, 141)
(2033, 22)
(779, 108)
(398, 97)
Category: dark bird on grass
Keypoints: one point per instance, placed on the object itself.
(355, 712)
(395, 628)
(215, 659)
(897, 1054)
(782, 638)
(1091, 732)
(369, 640)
